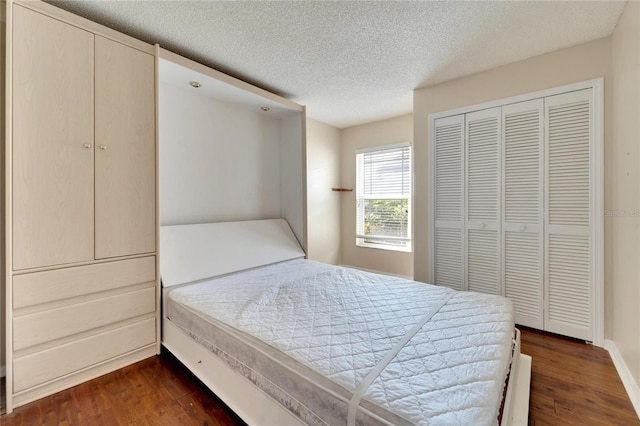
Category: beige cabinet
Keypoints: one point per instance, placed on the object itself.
(53, 219)
(66, 320)
(125, 197)
(64, 162)
(82, 281)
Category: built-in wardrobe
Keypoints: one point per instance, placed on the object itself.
(516, 208)
(105, 132)
(81, 201)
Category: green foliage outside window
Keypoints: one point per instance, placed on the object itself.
(386, 218)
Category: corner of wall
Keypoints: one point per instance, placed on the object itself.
(624, 198)
(323, 205)
(630, 385)
(3, 6)
(291, 175)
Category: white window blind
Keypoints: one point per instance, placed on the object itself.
(383, 194)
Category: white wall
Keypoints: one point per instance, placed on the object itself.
(218, 162)
(292, 176)
(385, 132)
(323, 205)
(623, 174)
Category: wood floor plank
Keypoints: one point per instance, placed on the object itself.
(572, 384)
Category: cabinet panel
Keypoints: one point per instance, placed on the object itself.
(40, 327)
(50, 286)
(53, 216)
(125, 150)
(40, 367)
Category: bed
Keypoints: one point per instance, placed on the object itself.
(285, 340)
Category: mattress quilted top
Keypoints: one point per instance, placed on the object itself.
(439, 356)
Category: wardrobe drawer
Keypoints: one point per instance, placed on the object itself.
(50, 286)
(41, 367)
(51, 324)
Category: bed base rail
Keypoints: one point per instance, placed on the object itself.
(516, 403)
(243, 397)
(256, 407)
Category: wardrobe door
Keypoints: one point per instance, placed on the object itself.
(569, 255)
(449, 202)
(125, 150)
(483, 132)
(52, 146)
(522, 193)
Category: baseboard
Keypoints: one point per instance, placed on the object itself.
(625, 375)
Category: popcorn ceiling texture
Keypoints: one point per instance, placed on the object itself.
(354, 62)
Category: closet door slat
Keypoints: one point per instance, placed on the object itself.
(449, 197)
(522, 210)
(568, 247)
(483, 135)
(482, 261)
(523, 276)
(449, 258)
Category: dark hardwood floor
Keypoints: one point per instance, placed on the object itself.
(572, 384)
(156, 391)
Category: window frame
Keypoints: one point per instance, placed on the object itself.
(360, 198)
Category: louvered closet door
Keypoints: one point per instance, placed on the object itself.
(522, 196)
(483, 131)
(568, 248)
(449, 202)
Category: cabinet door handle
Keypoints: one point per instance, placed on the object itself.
(86, 145)
(103, 147)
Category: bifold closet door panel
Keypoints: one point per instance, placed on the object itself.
(52, 146)
(483, 135)
(125, 150)
(522, 193)
(569, 256)
(449, 202)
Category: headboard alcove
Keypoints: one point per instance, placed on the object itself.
(229, 151)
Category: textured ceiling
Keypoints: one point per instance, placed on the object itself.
(353, 62)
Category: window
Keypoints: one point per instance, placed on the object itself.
(383, 193)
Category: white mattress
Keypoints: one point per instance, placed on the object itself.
(394, 350)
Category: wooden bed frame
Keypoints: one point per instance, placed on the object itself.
(249, 402)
